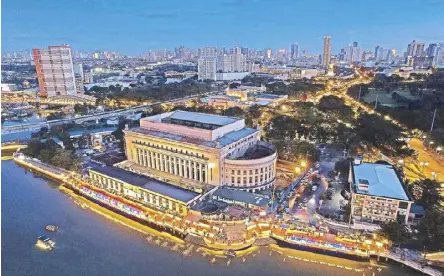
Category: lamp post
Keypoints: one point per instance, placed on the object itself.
(435, 175)
(423, 165)
(304, 165)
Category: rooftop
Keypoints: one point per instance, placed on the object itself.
(383, 181)
(269, 96)
(201, 118)
(75, 133)
(145, 182)
(260, 150)
(223, 141)
(242, 196)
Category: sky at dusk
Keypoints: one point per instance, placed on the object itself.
(136, 26)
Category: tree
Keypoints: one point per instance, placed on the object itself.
(34, 148)
(65, 159)
(430, 194)
(395, 232)
(431, 230)
(234, 112)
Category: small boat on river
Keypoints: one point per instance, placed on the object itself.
(51, 228)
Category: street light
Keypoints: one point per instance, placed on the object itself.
(297, 169)
(434, 174)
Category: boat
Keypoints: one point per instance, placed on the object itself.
(230, 253)
(45, 243)
(51, 228)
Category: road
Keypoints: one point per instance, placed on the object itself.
(435, 162)
(101, 115)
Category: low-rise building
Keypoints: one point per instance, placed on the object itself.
(141, 189)
(243, 92)
(378, 194)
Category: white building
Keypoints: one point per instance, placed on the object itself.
(378, 194)
(206, 69)
(195, 149)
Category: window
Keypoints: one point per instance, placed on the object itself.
(232, 171)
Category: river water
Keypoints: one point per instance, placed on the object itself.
(90, 244)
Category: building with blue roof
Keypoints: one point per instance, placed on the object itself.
(140, 188)
(198, 149)
(378, 193)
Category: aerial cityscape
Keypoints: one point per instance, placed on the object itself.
(229, 137)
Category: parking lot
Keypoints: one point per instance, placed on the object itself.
(311, 198)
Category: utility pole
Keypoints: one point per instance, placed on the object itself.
(433, 122)
(376, 102)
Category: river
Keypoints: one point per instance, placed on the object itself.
(90, 244)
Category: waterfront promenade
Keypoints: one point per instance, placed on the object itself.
(214, 233)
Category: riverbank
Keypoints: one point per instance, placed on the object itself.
(98, 245)
(85, 203)
(67, 179)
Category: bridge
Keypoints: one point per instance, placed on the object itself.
(97, 116)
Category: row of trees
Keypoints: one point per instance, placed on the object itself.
(50, 152)
(416, 114)
(430, 230)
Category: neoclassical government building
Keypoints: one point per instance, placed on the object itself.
(193, 150)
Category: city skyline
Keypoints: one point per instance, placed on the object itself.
(131, 29)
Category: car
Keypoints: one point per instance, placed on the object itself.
(305, 200)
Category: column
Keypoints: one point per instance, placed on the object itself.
(157, 161)
(165, 163)
(179, 161)
(144, 158)
(175, 172)
(200, 173)
(195, 170)
(148, 158)
(190, 175)
(171, 164)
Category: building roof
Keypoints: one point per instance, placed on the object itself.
(223, 141)
(383, 181)
(74, 133)
(203, 118)
(242, 196)
(145, 182)
(269, 96)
